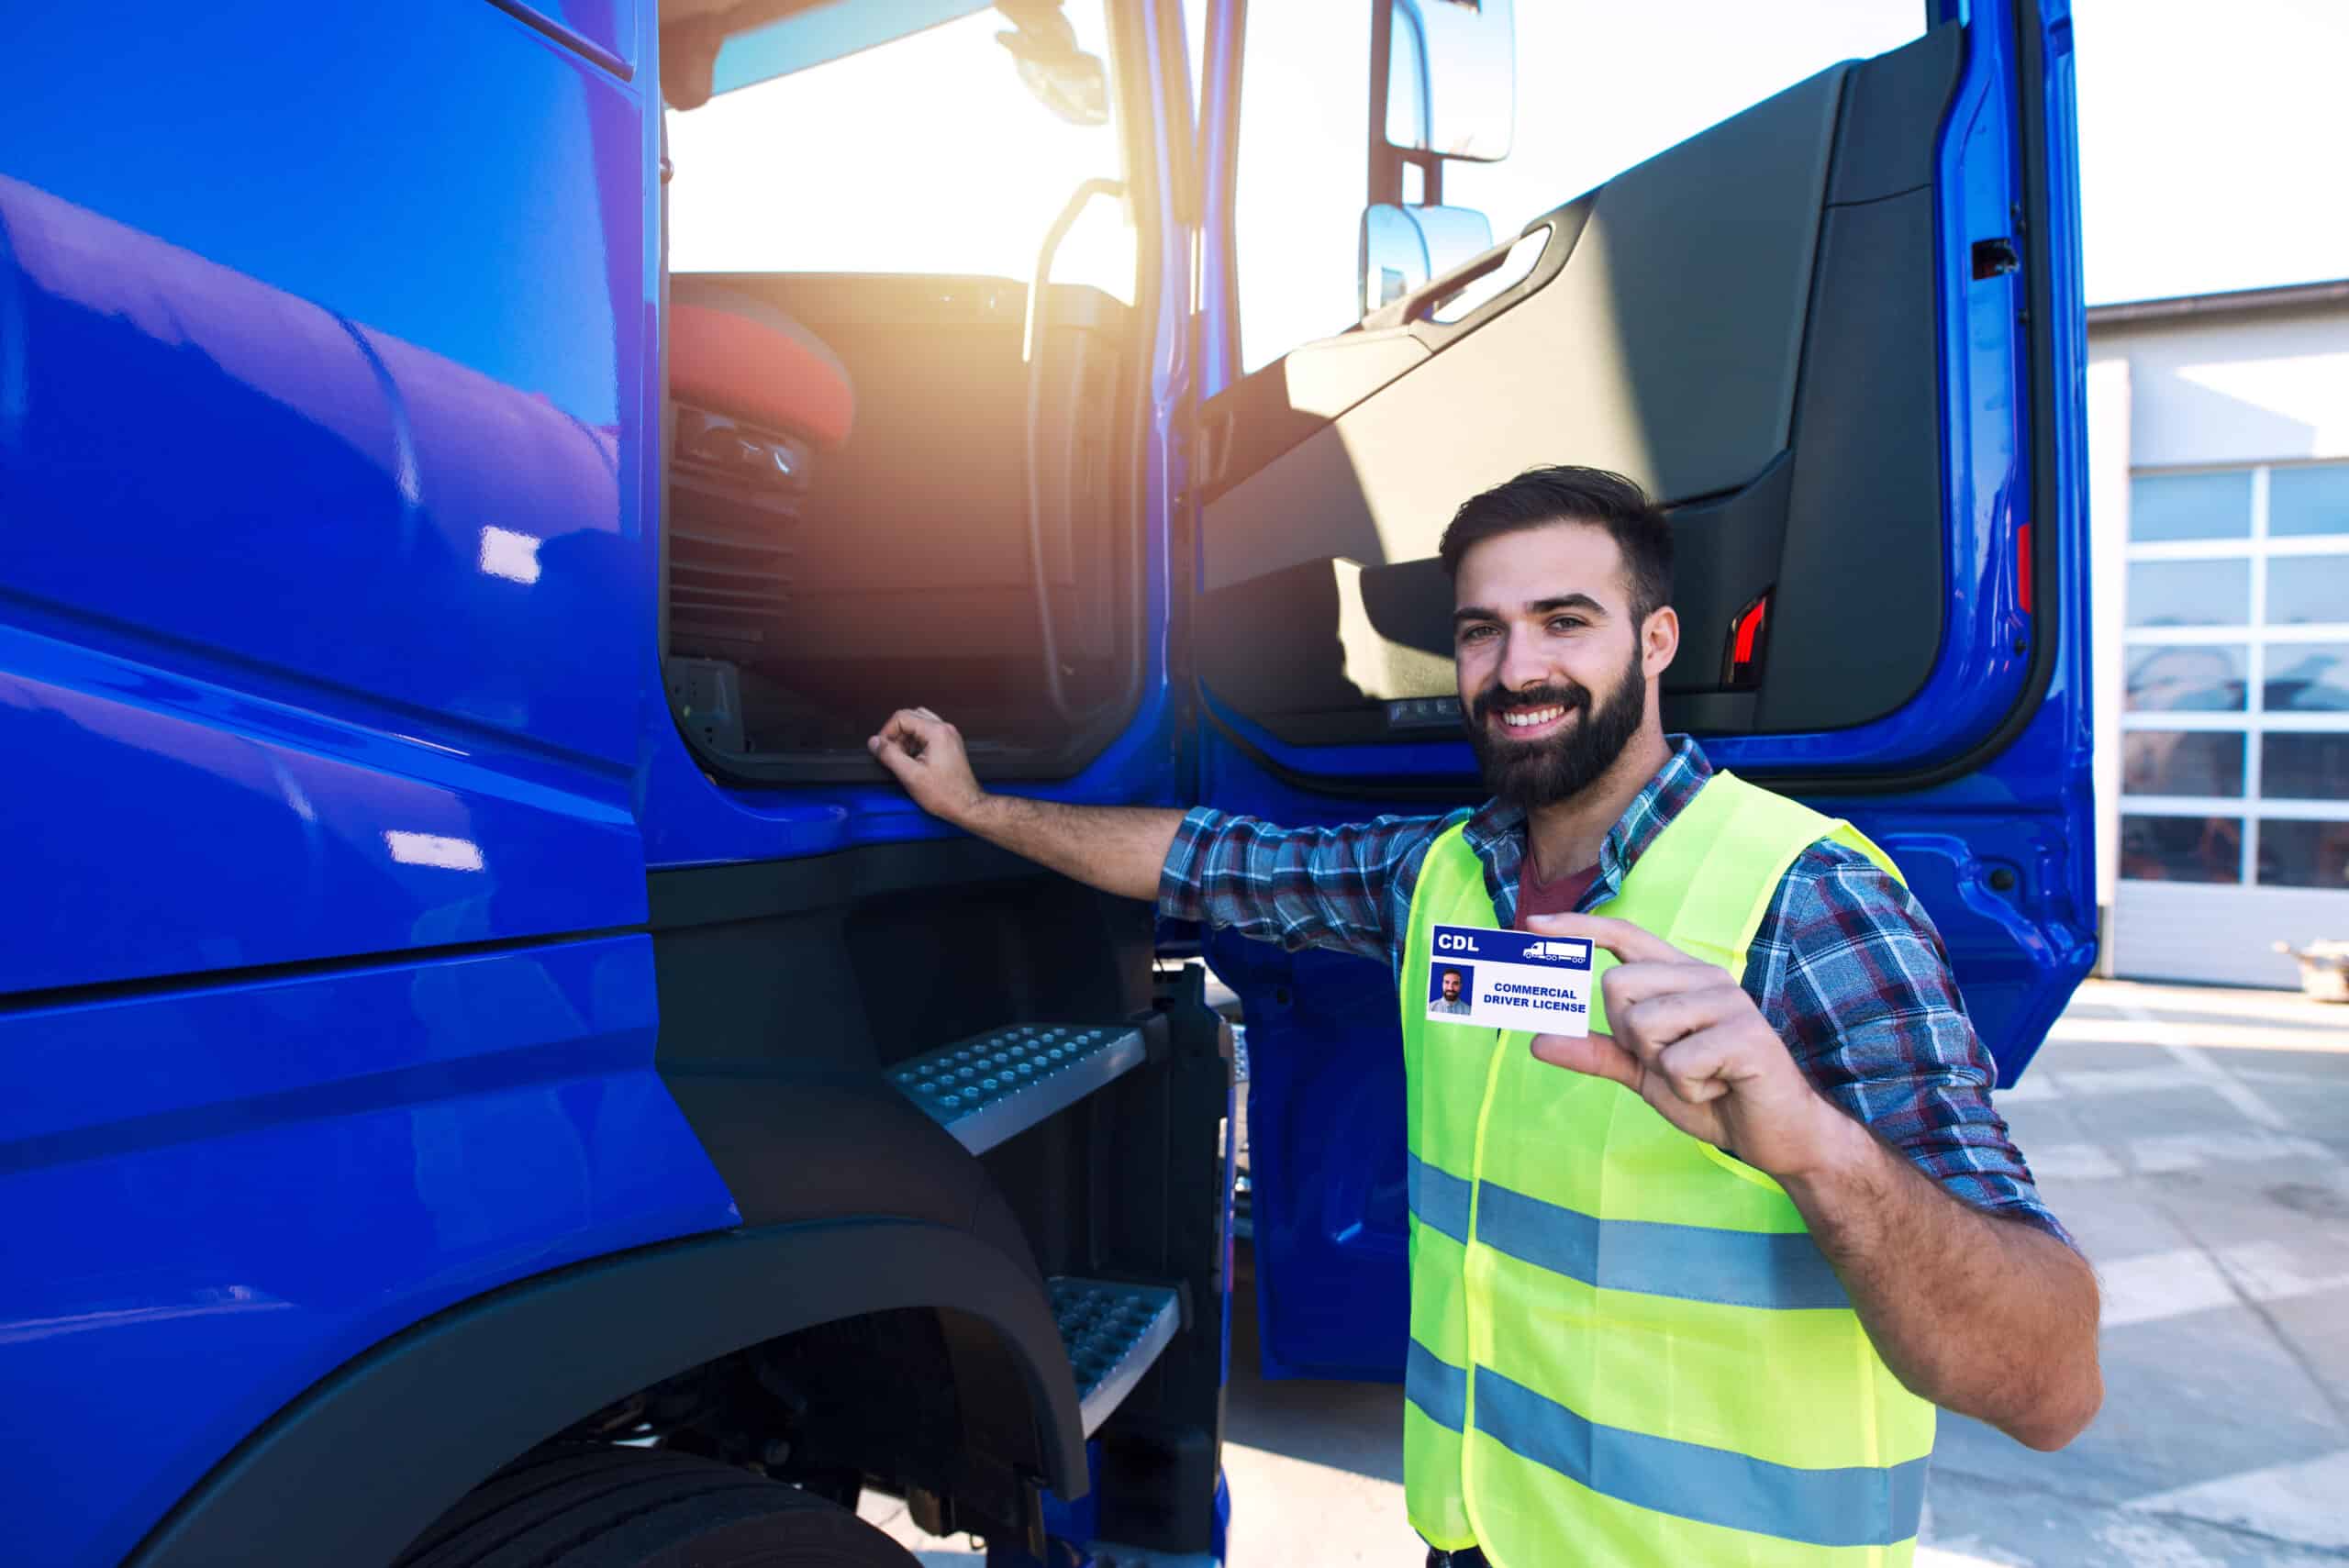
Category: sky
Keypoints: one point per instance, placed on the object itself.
(2214, 143)
(2214, 136)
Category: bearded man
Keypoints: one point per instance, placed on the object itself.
(1687, 1289)
(1451, 994)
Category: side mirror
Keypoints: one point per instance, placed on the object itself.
(1403, 246)
(1451, 87)
(1067, 81)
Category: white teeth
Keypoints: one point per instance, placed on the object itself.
(1527, 720)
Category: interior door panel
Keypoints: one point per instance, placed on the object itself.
(1745, 323)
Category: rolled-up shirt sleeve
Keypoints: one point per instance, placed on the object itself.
(1302, 887)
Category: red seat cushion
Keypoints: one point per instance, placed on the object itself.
(749, 362)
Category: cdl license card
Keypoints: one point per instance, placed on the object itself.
(1509, 980)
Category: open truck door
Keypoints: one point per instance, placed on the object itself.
(1840, 334)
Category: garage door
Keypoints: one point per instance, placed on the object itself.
(2234, 810)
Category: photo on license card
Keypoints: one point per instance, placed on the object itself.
(1449, 988)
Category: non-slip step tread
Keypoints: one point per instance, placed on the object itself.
(986, 1089)
(1114, 1332)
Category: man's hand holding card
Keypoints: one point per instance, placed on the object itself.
(1686, 1038)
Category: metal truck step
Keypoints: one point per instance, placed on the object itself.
(985, 1089)
(1113, 1333)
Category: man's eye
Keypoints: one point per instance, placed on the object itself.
(1568, 623)
(1475, 633)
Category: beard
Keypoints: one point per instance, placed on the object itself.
(1535, 774)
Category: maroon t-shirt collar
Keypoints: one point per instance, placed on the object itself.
(1562, 897)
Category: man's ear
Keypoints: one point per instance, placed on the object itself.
(1660, 640)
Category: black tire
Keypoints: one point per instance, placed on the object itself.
(588, 1506)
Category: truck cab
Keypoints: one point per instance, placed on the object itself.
(494, 1067)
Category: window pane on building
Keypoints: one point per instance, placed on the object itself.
(2190, 592)
(2304, 854)
(2181, 849)
(2308, 677)
(2304, 767)
(2190, 505)
(2184, 680)
(2302, 589)
(2313, 500)
(2181, 761)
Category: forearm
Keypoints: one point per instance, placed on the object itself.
(1118, 849)
(1985, 1317)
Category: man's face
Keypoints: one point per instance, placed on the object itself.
(1554, 671)
(1451, 985)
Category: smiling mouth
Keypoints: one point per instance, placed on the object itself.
(1533, 718)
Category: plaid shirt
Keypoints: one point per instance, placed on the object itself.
(1846, 966)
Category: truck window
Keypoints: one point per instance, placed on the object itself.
(1302, 177)
(879, 496)
(1600, 88)
(1302, 172)
(927, 154)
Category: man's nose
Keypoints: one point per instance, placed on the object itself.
(1521, 665)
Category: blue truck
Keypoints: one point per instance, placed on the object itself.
(492, 1073)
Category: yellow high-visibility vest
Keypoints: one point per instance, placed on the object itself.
(1626, 1350)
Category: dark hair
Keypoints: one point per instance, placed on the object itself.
(1539, 496)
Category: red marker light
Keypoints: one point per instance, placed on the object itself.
(2022, 565)
(1745, 643)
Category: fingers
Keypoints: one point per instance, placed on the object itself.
(925, 754)
(909, 731)
(1700, 1067)
(1596, 1055)
(902, 764)
(918, 721)
(1627, 985)
(1697, 1070)
(1651, 1018)
(1625, 941)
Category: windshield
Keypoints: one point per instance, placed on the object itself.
(937, 152)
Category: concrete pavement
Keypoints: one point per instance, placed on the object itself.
(2197, 1144)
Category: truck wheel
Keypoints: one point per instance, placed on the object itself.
(586, 1505)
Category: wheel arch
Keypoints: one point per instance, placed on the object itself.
(360, 1463)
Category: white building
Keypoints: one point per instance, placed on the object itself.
(2219, 494)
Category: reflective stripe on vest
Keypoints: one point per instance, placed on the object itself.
(1626, 1350)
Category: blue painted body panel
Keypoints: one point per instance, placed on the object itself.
(606, 31)
(326, 633)
(221, 830)
(330, 682)
(1325, 1128)
(323, 571)
(1218, 96)
(217, 1196)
